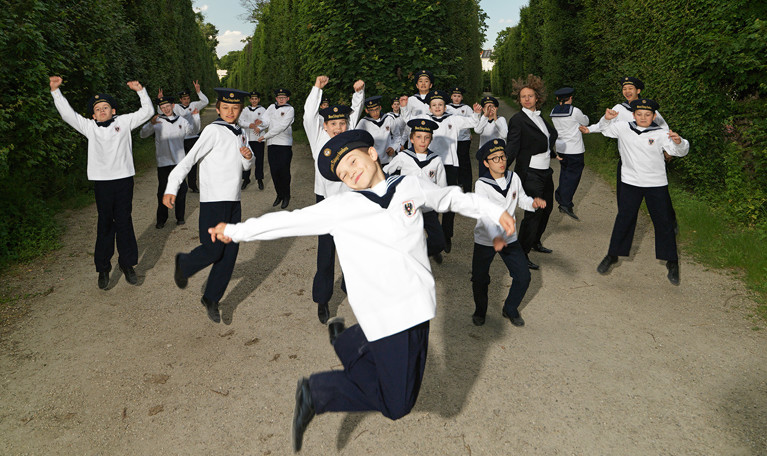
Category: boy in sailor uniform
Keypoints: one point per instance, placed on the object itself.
(643, 176)
(169, 131)
(567, 119)
(110, 167)
(418, 160)
(249, 120)
(378, 223)
(445, 143)
(490, 125)
(381, 128)
(277, 122)
(399, 137)
(223, 154)
(320, 127)
(457, 108)
(504, 188)
(190, 110)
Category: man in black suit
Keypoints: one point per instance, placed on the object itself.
(530, 144)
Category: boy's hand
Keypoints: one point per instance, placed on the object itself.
(135, 86)
(359, 85)
(477, 108)
(196, 86)
(499, 244)
(675, 137)
(159, 93)
(258, 122)
(539, 203)
(55, 82)
(403, 101)
(390, 151)
(217, 233)
(252, 126)
(195, 112)
(261, 139)
(610, 114)
(168, 200)
(245, 152)
(508, 223)
(666, 156)
(584, 130)
(257, 130)
(154, 119)
(321, 82)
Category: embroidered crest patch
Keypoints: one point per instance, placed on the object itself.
(117, 129)
(651, 141)
(409, 208)
(449, 126)
(387, 128)
(282, 113)
(513, 194)
(432, 173)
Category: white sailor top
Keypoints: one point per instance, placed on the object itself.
(277, 121)
(428, 165)
(566, 119)
(317, 136)
(219, 163)
(186, 113)
(378, 233)
(110, 144)
(461, 110)
(491, 129)
(506, 192)
(625, 114)
(382, 130)
(399, 135)
(169, 134)
(641, 151)
(247, 117)
(445, 138)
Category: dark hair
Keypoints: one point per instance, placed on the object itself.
(534, 83)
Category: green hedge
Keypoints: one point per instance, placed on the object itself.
(703, 61)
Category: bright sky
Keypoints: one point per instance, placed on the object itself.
(227, 16)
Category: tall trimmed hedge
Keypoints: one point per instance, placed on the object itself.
(382, 42)
(703, 61)
(96, 46)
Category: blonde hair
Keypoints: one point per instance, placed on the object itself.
(534, 83)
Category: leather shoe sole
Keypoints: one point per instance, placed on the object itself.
(336, 326)
(303, 413)
(212, 308)
(103, 280)
(178, 276)
(604, 265)
(130, 274)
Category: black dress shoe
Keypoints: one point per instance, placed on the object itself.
(194, 189)
(103, 280)
(335, 327)
(159, 225)
(540, 248)
(303, 413)
(180, 222)
(260, 184)
(130, 274)
(533, 266)
(212, 308)
(478, 320)
(448, 245)
(673, 272)
(568, 211)
(277, 201)
(437, 258)
(604, 265)
(285, 202)
(516, 321)
(323, 312)
(178, 276)
(244, 185)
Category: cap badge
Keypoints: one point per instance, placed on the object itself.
(335, 109)
(327, 152)
(231, 94)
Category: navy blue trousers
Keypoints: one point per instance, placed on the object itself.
(258, 164)
(657, 200)
(464, 166)
(435, 238)
(322, 287)
(539, 184)
(516, 262)
(279, 166)
(451, 175)
(221, 256)
(114, 204)
(570, 171)
(191, 178)
(180, 205)
(384, 375)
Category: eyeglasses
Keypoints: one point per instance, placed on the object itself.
(497, 158)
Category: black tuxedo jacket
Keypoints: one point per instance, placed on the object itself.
(524, 140)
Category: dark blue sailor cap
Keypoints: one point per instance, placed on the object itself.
(457, 91)
(426, 125)
(184, 93)
(281, 92)
(490, 147)
(165, 100)
(426, 73)
(395, 100)
(437, 95)
(234, 96)
(644, 103)
(488, 99)
(564, 93)
(629, 80)
(338, 146)
(255, 93)
(335, 112)
(101, 98)
(373, 102)
(325, 100)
